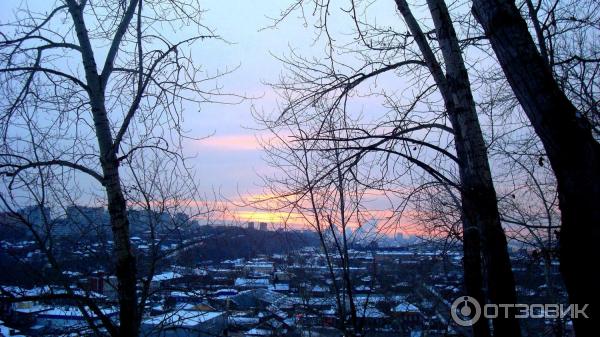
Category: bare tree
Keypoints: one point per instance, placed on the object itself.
(87, 85)
(382, 51)
(567, 136)
(530, 210)
(477, 190)
(74, 266)
(314, 186)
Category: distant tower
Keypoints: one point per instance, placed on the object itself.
(250, 225)
(263, 226)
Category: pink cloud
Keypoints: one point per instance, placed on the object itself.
(230, 143)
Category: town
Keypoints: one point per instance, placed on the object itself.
(273, 283)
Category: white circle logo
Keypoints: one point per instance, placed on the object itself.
(465, 311)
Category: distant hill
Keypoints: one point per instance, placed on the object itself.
(226, 242)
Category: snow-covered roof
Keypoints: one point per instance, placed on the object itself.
(259, 264)
(370, 313)
(182, 318)
(225, 291)
(405, 307)
(48, 290)
(185, 294)
(31, 310)
(71, 312)
(280, 287)
(240, 320)
(166, 276)
(251, 282)
(319, 289)
(258, 332)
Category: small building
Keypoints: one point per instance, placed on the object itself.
(164, 279)
(259, 267)
(408, 315)
(252, 283)
(280, 288)
(69, 317)
(185, 323)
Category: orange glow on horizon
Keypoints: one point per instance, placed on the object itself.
(263, 216)
(241, 212)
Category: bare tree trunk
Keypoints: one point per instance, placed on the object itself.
(125, 260)
(473, 278)
(472, 266)
(478, 193)
(344, 250)
(573, 152)
(117, 206)
(479, 203)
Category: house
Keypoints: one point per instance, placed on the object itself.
(251, 283)
(164, 279)
(319, 291)
(280, 287)
(69, 317)
(408, 315)
(193, 297)
(256, 298)
(184, 323)
(242, 321)
(224, 293)
(261, 267)
(269, 327)
(371, 317)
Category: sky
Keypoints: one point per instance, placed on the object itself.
(231, 157)
(230, 161)
(227, 158)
